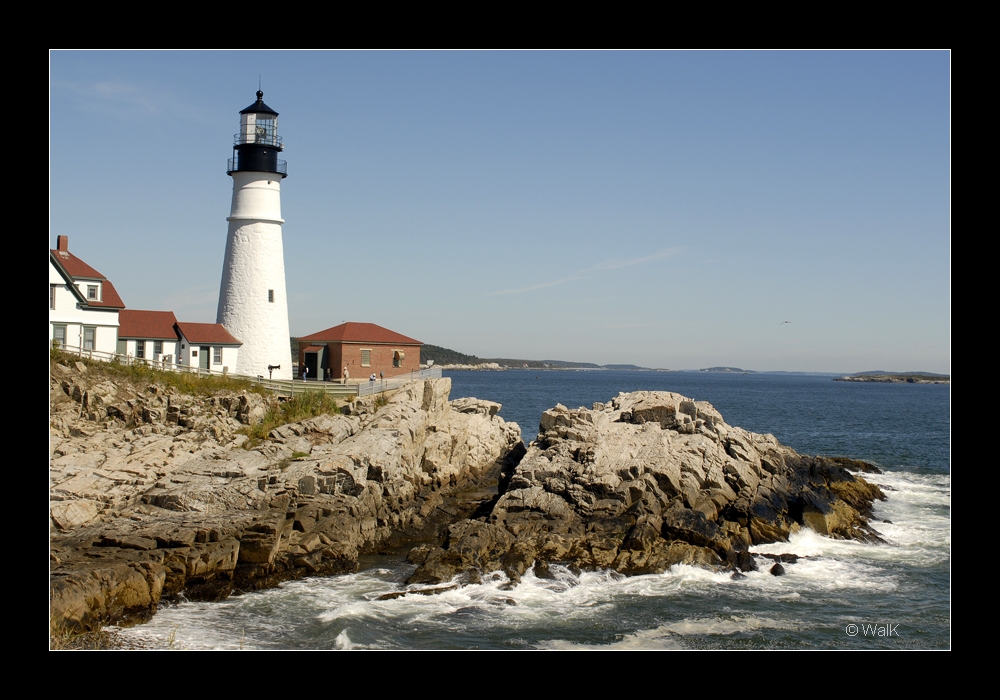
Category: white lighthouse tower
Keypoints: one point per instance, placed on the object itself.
(252, 302)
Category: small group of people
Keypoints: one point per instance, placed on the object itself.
(347, 375)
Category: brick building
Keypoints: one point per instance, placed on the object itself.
(363, 348)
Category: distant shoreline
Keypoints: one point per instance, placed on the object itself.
(495, 367)
(896, 378)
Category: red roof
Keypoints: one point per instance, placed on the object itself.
(360, 333)
(211, 333)
(111, 298)
(78, 269)
(158, 325)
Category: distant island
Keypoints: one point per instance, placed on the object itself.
(896, 377)
(437, 355)
(729, 370)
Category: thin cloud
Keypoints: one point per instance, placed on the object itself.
(533, 287)
(127, 100)
(609, 264)
(615, 264)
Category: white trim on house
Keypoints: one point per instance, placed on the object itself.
(189, 355)
(68, 310)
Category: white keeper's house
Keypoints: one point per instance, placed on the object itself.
(86, 315)
(83, 304)
(148, 335)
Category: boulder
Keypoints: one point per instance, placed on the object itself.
(649, 480)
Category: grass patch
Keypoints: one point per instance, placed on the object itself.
(307, 405)
(181, 382)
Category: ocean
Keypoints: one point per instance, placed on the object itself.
(839, 595)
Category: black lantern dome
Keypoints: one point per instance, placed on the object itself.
(256, 146)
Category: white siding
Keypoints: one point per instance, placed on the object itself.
(170, 347)
(254, 265)
(67, 312)
(229, 356)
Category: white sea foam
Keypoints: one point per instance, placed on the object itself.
(343, 641)
(561, 612)
(671, 635)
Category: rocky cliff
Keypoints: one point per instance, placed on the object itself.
(649, 480)
(152, 493)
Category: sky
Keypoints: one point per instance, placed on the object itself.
(671, 209)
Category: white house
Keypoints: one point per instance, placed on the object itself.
(83, 304)
(149, 335)
(208, 346)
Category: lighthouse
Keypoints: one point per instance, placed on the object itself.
(252, 302)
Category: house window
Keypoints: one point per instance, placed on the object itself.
(89, 334)
(140, 349)
(270, 295)
(92, 292)
(366, 358)
(157, 347)
(216, 356)
(52, 296)
(58, 336)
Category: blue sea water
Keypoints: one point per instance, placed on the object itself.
(840, 595)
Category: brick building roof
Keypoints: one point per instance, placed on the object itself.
(360, 333)
(208, 333)
(151, 325)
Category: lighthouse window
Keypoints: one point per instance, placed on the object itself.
(270, 295)
(264, 131)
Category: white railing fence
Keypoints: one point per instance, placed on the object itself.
(379, 385)
(287, 387)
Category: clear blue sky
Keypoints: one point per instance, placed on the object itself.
(668, 209)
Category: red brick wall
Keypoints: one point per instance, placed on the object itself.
(381, 360)
(349, 354)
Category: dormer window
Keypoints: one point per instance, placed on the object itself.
(92, 292)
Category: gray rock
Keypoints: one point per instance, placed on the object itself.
(650, 480)
(138, 514)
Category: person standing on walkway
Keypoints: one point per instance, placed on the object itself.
(347, 375)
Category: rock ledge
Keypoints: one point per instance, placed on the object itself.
(646, 481)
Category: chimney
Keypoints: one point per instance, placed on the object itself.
(62, 243)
